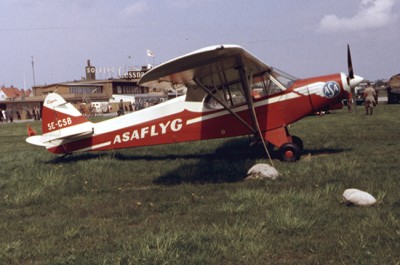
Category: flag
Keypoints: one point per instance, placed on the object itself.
(150, 53)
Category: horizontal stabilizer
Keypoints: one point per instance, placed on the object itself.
(36, 140)
(49, 140)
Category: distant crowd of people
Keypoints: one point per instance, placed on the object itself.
(123, 108)
(8, 115)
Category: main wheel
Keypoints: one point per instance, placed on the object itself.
(297, 141)
(289, 152)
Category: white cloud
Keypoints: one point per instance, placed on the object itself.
(189, 3)
(134, 9)
(372, 14)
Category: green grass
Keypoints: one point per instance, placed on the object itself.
(189, 204)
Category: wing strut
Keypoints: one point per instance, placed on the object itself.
(209, 92)
(250, 103)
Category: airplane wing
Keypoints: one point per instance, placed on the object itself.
(211, 69)
(215, 66)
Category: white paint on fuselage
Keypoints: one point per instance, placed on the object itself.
(158, 111)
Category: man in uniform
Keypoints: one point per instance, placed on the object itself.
(369, 99)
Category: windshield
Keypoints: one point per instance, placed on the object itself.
(271, 82)
(283, 78)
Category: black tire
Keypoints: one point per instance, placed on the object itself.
(289, 152)
(297, 141)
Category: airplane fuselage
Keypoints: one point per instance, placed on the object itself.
(179, 120)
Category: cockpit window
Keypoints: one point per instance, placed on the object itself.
(271, 82)
(231, 93)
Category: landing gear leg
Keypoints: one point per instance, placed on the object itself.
(290, 147)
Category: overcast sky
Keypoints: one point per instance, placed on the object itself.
(304, 38)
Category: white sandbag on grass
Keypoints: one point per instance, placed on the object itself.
(358, 197)
(262, 171)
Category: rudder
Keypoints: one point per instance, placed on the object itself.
(57, 114)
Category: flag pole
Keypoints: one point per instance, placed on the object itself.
(150, 54)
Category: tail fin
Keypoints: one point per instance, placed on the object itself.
(61, 121)
(58, 115)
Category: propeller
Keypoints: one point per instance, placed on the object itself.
(349, 64)
(350, 77)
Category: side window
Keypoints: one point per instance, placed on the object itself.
(231, 95)
(259, 87)
(211, 103)
(235, 94)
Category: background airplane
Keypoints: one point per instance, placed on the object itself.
(229, 93)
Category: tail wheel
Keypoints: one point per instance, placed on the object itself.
(289, 152)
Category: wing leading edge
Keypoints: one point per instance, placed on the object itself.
(217, 64)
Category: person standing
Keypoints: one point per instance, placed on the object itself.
(121, 108)
(4, 114)
(10, 115)
(37, 113)
(369, 99)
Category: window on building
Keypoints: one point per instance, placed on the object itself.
(85, 89)
(129, 89)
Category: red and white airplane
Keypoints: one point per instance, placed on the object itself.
(229, 93)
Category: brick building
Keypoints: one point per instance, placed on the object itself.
(87, 90)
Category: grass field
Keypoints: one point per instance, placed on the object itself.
(189, 203)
